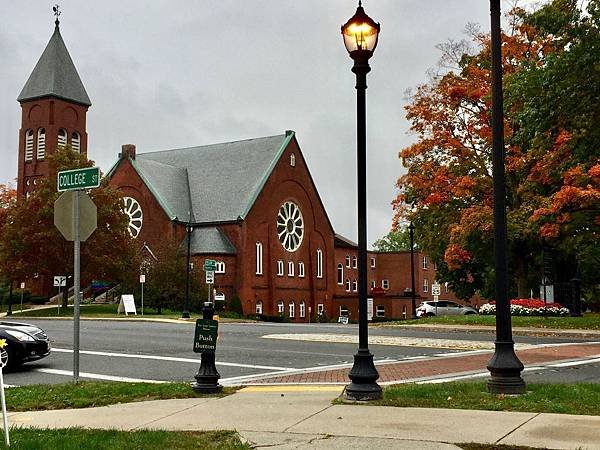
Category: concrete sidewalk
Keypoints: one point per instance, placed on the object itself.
(289, 417)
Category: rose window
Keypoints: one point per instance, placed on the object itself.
(134, 212)
(290, 226)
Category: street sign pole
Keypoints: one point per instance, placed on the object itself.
(77, 274)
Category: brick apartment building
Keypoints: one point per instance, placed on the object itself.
(253, 204)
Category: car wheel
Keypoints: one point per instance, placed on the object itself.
(9, 359)
(469, 313)
(430, 314)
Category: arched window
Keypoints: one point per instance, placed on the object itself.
(76, 141)
(348, 261)
(62, 138)
(259, 307)
(302, 309)
(340, 274)
(292, 160)
(354, 262)
(41, 143)
(279, 268)
(220, 267)
(301, 270)
(319, 263)
(290, 269)
(28, 145)
(348, 285)
(292, 309)
(259, 261)
(280, 307)
(354, 286)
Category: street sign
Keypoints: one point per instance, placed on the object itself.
(210, 265)
(88, 177)
(142, 278)
(64, 211)
(60, 280)
(205, 337)
(436, 289)
(22, 285)
(210, 277)
(126, 305)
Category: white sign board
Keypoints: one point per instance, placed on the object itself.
(60, 281)
(343, 319)
(127, 305)
(369, 309)
(549, 293)
(22, 285)
(219, 297)
(436, 289)
(142, 278)
(210, 277)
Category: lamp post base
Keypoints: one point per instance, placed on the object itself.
(505, 369)
(363, 375)
(207, 378)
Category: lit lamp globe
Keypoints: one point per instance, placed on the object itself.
(360, 35)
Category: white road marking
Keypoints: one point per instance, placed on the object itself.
(576, 363)
(98, 376)
(170, 358)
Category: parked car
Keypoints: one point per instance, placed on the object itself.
(25, 343)
(443, 308)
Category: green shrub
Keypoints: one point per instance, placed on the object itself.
(235, 305)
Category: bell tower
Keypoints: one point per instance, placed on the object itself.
(54, 105)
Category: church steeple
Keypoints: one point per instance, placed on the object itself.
(54, 105)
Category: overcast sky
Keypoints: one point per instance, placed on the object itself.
(164, 74)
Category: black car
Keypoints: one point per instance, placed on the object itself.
(25, 343)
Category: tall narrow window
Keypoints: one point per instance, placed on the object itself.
(292, 160)
(354, 286)
(320, 309)
(425, 262)
(76, 142)
(41, 143)
(302, 309)
(290, 269)
(301, 270)
(62, 138)
(348, 261)
(425, 285)
(280, 268)
(319, 263)
(373, 284)
(292, 309)
(354, 262)
(340, 274)
(385, 284)
(220, 267)
(348, 285)
(280, 307)
(259, 261)
(259, 307)
(446, 288)
(372, 262)
(29, 145)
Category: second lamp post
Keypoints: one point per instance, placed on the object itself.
(360, 38)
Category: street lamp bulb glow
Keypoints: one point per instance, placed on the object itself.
(360, 32)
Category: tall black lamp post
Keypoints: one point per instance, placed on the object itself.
(186, 307)
(505, 368)
(411, 233)
(360, 38)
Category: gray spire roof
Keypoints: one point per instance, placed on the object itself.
(55, 75)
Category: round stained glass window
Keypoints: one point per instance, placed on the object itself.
(290, 226)
(134, 212)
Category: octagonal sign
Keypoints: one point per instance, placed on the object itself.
(64, 210)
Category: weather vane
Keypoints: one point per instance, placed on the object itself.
(56, 13)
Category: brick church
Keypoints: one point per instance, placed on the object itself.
(252, 204)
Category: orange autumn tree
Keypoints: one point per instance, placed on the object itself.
(447, 190)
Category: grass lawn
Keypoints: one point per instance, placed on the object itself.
(580, 398)
(590, 321)
(88, 394)
(77, 439)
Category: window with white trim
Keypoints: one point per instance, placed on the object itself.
(380, 311)
(259, 260)
(301, 269)
(354, 262)
(340, 274)
(41, 143)
(319, 263)
(348, 261)
(302, 309)
(259, 308)
(446, 288)
(220, 267)
(292, 309)
(425, 262)
(425, 285)
(343, 310)
(292, 160)
(29, 145)
(372, 262)
(62, 138)
(348, 285)
(76, 142)
(354, 286)
(280, 268)
(385, 284)
(280, 307)
(290, 268)
(320, 309)
(373, 284)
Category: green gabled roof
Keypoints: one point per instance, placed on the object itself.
(55, 75)
(215, 183)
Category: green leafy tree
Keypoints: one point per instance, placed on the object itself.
(394, 241)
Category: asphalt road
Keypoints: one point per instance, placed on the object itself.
(129, 351)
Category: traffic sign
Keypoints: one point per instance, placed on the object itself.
(22, 285)
(64, 212)
(88, 177)
(142, 278)
(210, 277)
(205, 337)
(436, 289)
(210, 265)
(60, 280)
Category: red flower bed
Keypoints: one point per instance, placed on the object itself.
(530, 303)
